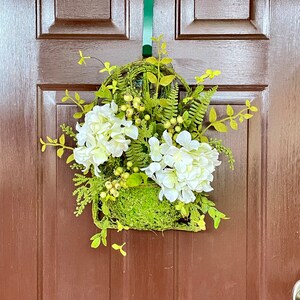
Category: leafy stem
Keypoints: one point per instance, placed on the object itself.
(78, 101)
(239, 114)
(158, 67)
(58, 143)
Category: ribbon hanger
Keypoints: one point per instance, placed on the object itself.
(147, 28)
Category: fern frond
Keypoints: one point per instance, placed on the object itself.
(120, 79)
(88, 189)
(136, 154)
(199, 107)
(172, 104)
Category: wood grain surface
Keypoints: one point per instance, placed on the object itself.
(45, 250)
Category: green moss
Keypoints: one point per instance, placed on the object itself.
(139, 208)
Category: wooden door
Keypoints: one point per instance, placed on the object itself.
(45, 250)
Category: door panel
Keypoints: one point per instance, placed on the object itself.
(45, 250)
(83, 19)
(239, 19)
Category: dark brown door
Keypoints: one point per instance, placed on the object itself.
(45, 251)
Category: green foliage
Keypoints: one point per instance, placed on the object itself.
(88, 189)
(146, 93)
(199, 107)
(217, 144)
(139, 208)
(60, 143)
(107, 68)
(219, 124)
(82, 58)
(119, 248)
(138, 152)
(171, 105)
(68, 130)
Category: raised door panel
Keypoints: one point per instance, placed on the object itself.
(169, 265)
(226, 263)
(239, 19)
(68, 267)
(222, 9)
(83, 19)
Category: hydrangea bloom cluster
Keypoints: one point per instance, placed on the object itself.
(102, 134)
(181, 171)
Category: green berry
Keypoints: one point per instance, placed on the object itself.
(177, 128)
(120, 170)
(171, 131)
(116, 194)
(180, 119)
(147, 117)
(112, 191)
(129, 164)
(125, 175)
(128, 98)
(138, 121)
(108, 185)
(129, 112)
(167, 125)
(136, 104)
(173, 121)
(142, 108)
(137, 100)
(135, 169)
(123, 107)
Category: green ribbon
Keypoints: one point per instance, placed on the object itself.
(147, 28)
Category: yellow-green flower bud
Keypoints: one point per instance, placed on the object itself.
(135, 169)
(117, 186)
(103, 195)
(138, 121)
(142, 108)
(147, 117)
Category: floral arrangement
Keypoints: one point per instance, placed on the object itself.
(142, 154)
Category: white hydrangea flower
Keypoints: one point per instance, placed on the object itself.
(102, 135)
(181, 171)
